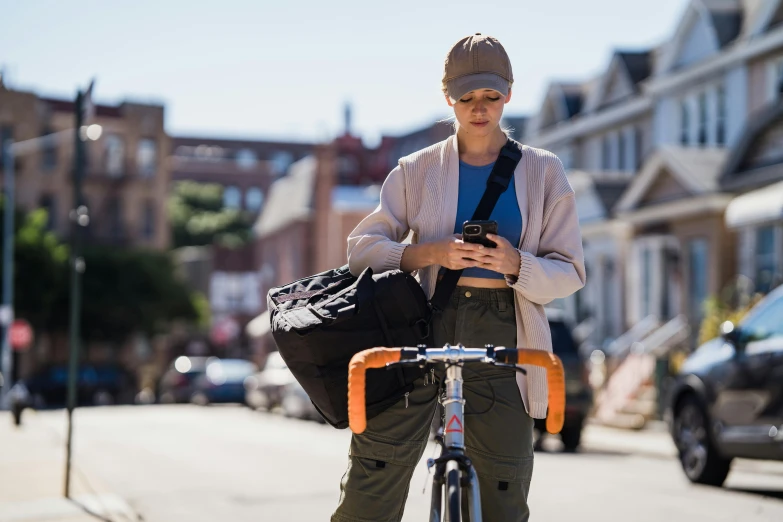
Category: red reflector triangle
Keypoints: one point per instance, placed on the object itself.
(454, 425)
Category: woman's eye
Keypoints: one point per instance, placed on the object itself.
(494, 99)
(468, 100)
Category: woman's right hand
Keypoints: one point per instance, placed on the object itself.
(454, 254)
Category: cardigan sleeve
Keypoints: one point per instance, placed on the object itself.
(376, 240)
(558, 269)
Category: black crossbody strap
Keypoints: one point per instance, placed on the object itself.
(498, 182)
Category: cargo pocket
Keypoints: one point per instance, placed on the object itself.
(504, 484)
(377, 480)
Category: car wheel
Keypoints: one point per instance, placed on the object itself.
(699, 459)
(200, 399)
(571, 437)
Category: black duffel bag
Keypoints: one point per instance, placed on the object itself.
(321, 321)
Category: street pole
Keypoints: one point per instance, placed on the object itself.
(7, 308)
(77, 268)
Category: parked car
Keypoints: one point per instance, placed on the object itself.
(275, 386)
(176, 385)
(223, 381)
(97, 385)
(727, 400)
(265, 389)
(579, 393)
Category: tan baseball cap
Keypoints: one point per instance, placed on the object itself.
(477, 62)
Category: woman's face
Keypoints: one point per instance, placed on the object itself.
(479, 111)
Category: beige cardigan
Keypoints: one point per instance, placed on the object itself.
(421, 195)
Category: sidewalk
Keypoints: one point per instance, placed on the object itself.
(32, 476)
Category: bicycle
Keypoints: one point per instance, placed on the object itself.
(453, 469)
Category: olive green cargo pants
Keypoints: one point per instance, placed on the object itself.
(498, 430)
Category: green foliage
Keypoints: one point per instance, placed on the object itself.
(124, 290)
(733, 304)
(198, 217)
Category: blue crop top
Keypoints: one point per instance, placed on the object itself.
(472, 183)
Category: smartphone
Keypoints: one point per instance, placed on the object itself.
(476, 232)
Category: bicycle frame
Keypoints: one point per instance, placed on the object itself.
(453, 459)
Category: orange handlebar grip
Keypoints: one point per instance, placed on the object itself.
(556, 381)
(360, 362)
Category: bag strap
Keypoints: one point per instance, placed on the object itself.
(498, 182)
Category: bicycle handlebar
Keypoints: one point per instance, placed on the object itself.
(380, 357)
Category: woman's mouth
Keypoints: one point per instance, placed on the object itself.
(479, 124)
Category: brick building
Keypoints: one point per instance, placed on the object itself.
(126, 181)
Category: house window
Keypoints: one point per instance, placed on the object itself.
(685, 122)
(49, 204)
(49, 152)
(765, 258)
(147, 157)
(646, 282)
(720, 132)
(116, 228)
(280, 162)
(246, 159)
(148, 220)
(638, 148)
(232, 197)
(606, 153)
(115, 155)
(702, 118)
(254, 198)
(6, 133)
(697, 276)
(621, 151)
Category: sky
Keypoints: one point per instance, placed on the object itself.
(286, 69)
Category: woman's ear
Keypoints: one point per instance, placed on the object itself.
(448, 100)
(508, 98)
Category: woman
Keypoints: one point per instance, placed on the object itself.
(498, 299)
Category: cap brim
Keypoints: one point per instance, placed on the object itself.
(459, 87)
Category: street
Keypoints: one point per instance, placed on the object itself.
(172, 463)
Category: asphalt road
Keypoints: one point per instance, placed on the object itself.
(190, 463)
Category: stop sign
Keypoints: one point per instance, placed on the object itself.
(21, 335)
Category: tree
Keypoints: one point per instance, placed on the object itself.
(198, 217)
(124, 290)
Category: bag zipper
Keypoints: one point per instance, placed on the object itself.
(406, 399)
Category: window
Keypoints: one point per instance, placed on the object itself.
(280, 162)
(685, 122)
(646, 282)
(720, 131)
(621, 151)
(254, 198)
(49, 204)
(765, 258)
(114, 155)
(702, 118)
(766, 323)
(606, 153)
(697, 276)
(116, 228)
(148, 220)
(48, 152)
(246, 159)
(6, 133)
(232, 197)
(147, 157)
(638, 147)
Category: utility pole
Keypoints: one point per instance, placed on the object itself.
(7, 308)
(79, 220)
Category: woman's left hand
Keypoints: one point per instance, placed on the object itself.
(503, 259)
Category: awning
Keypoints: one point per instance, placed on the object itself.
(259, 326)
(760, 205)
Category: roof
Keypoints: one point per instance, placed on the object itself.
(610, 192)
(637, 63)
(696, 169)
(573, 96)
(290, 198)
(757, 125)
(727, 25)
(108, 111)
